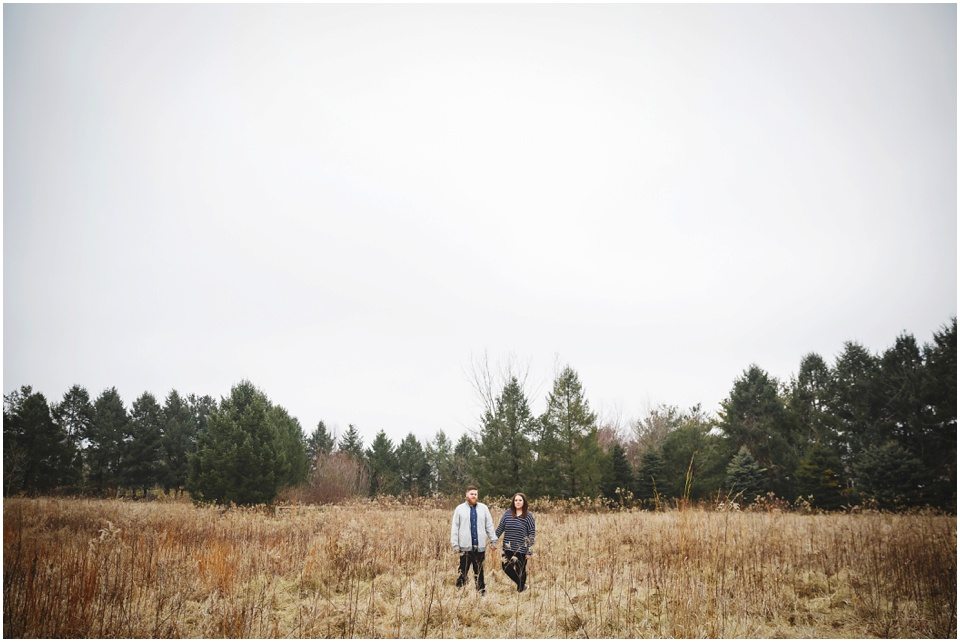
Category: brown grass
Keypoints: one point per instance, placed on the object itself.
(91, 568)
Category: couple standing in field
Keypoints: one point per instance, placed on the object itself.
(472, 531)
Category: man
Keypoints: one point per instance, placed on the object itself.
(472, 529)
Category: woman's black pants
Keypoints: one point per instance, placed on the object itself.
(515, 566)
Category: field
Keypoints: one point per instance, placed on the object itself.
(110, 568)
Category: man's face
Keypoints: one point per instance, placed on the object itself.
(472, 497)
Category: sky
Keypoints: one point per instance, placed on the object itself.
(350, 205)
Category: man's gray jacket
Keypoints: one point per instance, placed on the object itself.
(460, 528)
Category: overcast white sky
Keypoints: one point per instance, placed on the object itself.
(344, 203)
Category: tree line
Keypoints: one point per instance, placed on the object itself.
(869, 427)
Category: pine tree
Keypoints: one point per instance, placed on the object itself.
(568, 452)
(854, 401)
(241, 455)
(105, 441)
(74, 414)
(940, 411)
(382, 466)
(465, 460)
(617, 473)
(889, 475)
(588, 462)
(201, 408)
(14, 450)
(439, 454)
(320, 442)
(504, 450)
(14, 456)
(807, 401)
(39, 447)
(900, 384)
(693, 453)
(413, 470)
(755, 416)
(650, 479)
(179, 441)
(142, 451)
(820, 475)
(48, 446)
(292, 446)
(351, 443)
(745, 476)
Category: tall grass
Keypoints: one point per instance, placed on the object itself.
(97, 568)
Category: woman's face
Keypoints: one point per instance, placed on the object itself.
(518, 502)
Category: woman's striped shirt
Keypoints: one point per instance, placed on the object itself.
(518, 532)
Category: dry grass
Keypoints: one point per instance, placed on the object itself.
(89, 568)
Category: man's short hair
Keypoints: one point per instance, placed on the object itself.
(471, 487)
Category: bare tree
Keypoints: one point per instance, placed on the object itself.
(336, 477)
(610, 428)
(651, 431)
(488, 382)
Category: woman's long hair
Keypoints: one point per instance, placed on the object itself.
(513, 506)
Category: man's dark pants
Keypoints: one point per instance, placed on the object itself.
(472, 559)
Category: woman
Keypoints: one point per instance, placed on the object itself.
(518, 530)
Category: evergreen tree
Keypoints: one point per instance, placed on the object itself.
(382, 466)
(820, 474)
(745, 476)
(13, 402)
(201, 408)
(74, 414)
(755, 416)
(292, 468)
(320, 442)
(39, 447)
(465, 461)
(568, 451)
(807, 401)
(650, 477)
(178, 443)
(142, 450)
(504, 450)
(888, 474)
(900, 386)
(413, 470)
(351, 443)
(940, 410)
(439, 454)
(14, 451)
(617, 473)
(908, 416)
(693, 449)
(853, 401)
(50, 450)
(241, 454)
(588, 463)
(105, 440)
